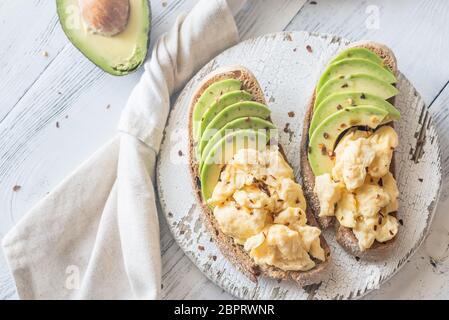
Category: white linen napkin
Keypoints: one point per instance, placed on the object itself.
(96, 236)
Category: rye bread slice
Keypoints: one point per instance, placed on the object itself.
(233, 252)
(345, 237)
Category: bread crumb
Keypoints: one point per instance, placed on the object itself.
(16, 188)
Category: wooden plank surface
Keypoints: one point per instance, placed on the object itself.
(416, 29)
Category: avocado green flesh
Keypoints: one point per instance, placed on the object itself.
(223, 152)
(355, 66)
(118, 55)
(361, 53)
(240, 123)
(359, 83)
(338, 101)
(232, 112)
(323, 140)
(209, 96)
(222, 102)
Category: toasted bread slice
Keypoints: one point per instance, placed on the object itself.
(344, 236)
(233, 252)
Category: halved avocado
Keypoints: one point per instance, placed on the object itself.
(323, 141)
(339, 101)
(358, 52)
(240, 123)
(211, 94)
(222, 102)
(232, 112)
(359, 83)
(222, 153)
(119, 54)
(355, 66)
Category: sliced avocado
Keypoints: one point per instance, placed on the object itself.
(222, 153)
(240, 123)
(211, 94)
(322, 143)
(359, 83)
(119, 54)
(355, 66)
(358, 52)
(222, 102)
(339, 101)
(232, 112)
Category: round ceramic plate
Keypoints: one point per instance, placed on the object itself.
(288, 65)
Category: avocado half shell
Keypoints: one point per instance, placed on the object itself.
(70, 15)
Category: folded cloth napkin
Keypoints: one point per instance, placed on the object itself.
(96, 236)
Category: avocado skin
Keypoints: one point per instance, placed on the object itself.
(60, 7)
(337, 101)
(210, 172)
(324, 138)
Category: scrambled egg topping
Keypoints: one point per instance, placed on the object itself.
(258, 203)
(361, 192)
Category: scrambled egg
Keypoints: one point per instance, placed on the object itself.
(346, 212)
(328, 192)
(258, 203)
(362, 192)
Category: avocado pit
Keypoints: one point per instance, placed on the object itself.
(105, 17)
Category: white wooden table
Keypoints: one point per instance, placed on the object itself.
(56, 110)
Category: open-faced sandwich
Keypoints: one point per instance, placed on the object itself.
(246, 189)
(347, 152)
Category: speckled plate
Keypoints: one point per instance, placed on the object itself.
(287, 69)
